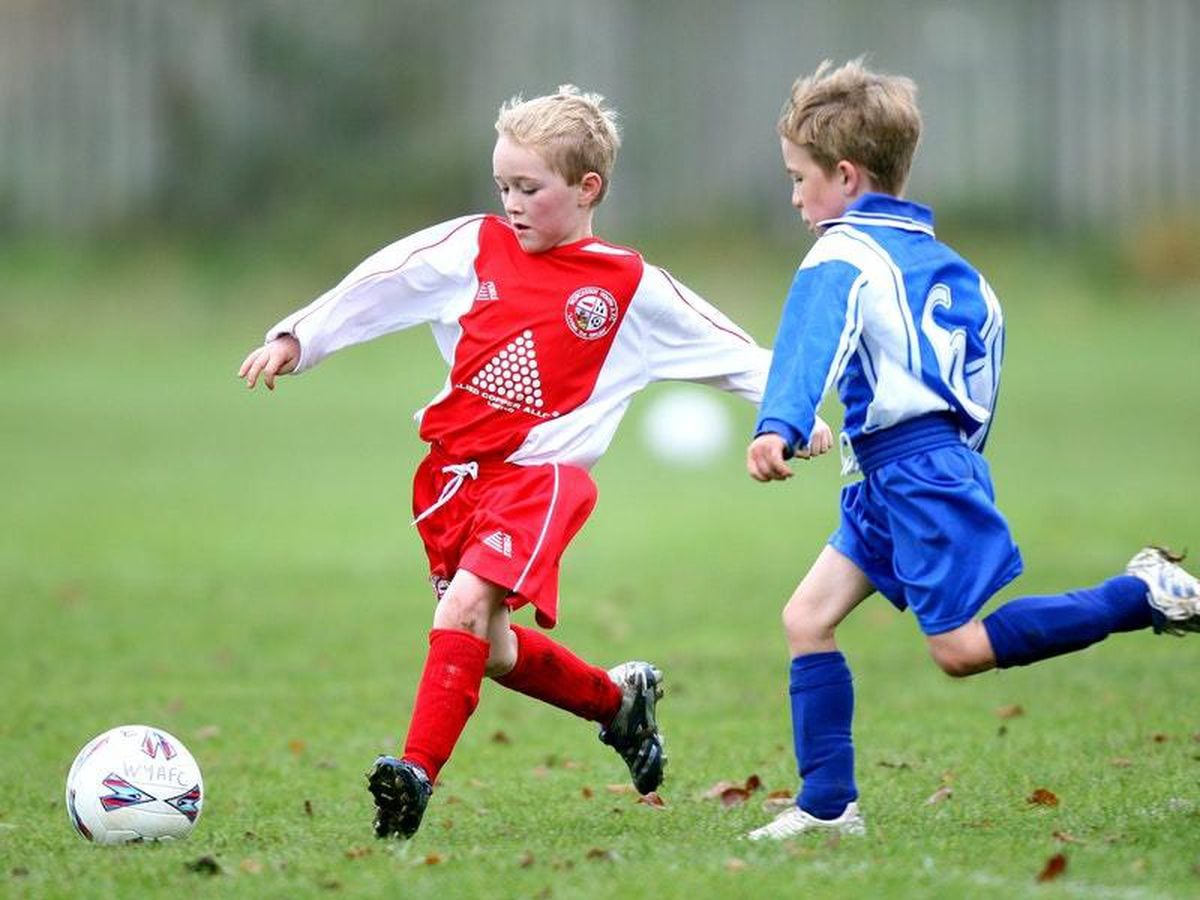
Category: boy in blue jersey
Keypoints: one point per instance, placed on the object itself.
(913, 338)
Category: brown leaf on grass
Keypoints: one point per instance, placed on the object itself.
(1054, 867)
(297, 746)
(358, 852)
(205, 865)
(500, 737)
(778, 801)
(600, 855)
(251, 866)
(623, 788)
(731, 793)
(1042, 797)
(1121, 762)
(526, 860)
(653, 800)
(889, 764)
(207, 732)
(586, 792)
(308, 810)
(733, 864)
(1066, 837)
(432, 859)
(1161, 738)
(1011, 711)
(945, 792)
(734, 796)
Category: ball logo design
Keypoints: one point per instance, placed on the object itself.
(591, 313)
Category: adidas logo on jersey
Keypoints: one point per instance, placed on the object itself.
(500, 542)
(511, 379)
(487, 291)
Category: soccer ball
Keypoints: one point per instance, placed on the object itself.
(686, 426)
(134, 783)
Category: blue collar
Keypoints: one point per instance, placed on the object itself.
(885, 211)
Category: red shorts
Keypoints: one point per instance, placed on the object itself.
(509, 525)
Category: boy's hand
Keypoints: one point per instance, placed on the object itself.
(820, 442)
(765, 458)
(275, 358)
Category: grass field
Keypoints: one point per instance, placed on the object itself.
(238, 569)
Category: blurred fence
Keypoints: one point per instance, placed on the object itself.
(1062, 113)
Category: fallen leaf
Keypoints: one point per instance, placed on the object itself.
(735, 865)
(18, 872)
(1066, 837)
(945, 792)
(432, 859)
(207, 732)
(888, 764)
(778, 801)
(734, 796)
(526, 860)
(251, 866)
(1042, 797)
(753, 783)
(602, 855)
(308, 808)
(586, 792)
(717, 790)
(620, 788)
(1055, 866)
(1011, 711)
(297, 746)
(500, 737)
(652, 799)
(1161, 738)
(205, 865)
(358, 852)
(1121, 762)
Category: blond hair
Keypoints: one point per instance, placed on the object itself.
(855, 114)
(574, 132)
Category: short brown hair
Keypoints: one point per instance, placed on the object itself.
(575, 133)
(858, 115)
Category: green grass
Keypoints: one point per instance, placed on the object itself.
(238, 568)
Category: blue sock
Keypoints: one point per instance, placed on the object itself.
(822, 694)
(1030, 629)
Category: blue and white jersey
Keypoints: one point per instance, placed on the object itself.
(902, 324)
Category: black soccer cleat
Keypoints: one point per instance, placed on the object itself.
(401, 790)
(634, 731)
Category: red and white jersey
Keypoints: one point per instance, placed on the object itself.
(545, 350)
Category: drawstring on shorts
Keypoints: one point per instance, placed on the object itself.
(461, 472)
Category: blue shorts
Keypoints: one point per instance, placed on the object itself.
(925, 530)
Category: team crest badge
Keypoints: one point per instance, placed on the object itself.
(591, 313)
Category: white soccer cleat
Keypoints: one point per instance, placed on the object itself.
(1174, 594)
(795, 821)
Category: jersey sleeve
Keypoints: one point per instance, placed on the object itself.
(818, 333)
(415, 280)
(688, 339)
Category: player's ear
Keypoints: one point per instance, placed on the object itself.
(849, 176)
(590, 186)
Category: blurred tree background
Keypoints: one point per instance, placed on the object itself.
(203, 117)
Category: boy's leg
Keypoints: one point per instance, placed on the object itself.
(446, 697)
(621, 700)
(822, 700)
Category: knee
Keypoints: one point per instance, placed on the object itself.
(806, 631)
(463, 612)
(959, 660)
(502, 656)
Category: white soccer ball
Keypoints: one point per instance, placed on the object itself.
(687, 426)
(134, 783)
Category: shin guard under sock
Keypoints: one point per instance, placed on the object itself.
(1030, 629)
(548, 671)
(822, 696)
(446, 696)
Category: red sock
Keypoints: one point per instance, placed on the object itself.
(549, 672)
(446, 696)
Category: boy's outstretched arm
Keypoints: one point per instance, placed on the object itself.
(276, 357)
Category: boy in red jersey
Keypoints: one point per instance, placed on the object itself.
(548, 332)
